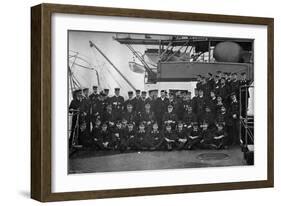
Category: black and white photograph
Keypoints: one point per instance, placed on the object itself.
(153, 101)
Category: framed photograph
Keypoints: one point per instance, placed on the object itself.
(130, 102)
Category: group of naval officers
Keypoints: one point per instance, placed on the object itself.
(171, 121)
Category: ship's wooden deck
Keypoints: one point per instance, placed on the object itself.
(87, 161)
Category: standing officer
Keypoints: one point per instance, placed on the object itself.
(235, 84)
(161, 105)
(234, 119)
(74, 109)
(86, 109)
(137, 102)
(205, 87)
(201, 102)
(117, 102)
(199, 82)
(223, 91)
(194, 100)
(150, 99)
(184, 105)
(94, 95)
(130, 100)
(219, 74)
(210, 81)
(142, 101)
(106, 96)
(216, 84)
(244, 85)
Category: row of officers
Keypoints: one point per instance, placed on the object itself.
(138, 138)
(206, 105)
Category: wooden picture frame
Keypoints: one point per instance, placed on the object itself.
(41, 95)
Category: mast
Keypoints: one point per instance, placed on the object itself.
(99, 50)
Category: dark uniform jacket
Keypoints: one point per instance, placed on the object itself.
(139, 141)
(108, 117)
(194, 133)
(170, 135)
(194, 104)
(212, 103)
(75, 105)
(189, 118)
(170, 118)
(235, 87)
(206, 135)
(199, 85)
(130, 116)
(160, 107)
(118, 134)
(154, 139)
(234, 110)
(223, 91)
(151, 102)
(211, 83)
(147, 116)
(208, 117)
(137, 102)
(85, 105)
(181, 134)
(117, 104)
(105, 136)
(201, 103)
(129, 101)
(94, 97)
(222, 118)
(216, 86)
(206, 89)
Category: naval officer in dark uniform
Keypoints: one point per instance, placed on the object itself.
(117, 102)
(245, 95)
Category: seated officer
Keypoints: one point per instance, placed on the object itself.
(188, 118)
(219, 104)
(212, 102)
(194, 137)
(220, 137)
(109, 117)
(170, 117)
(95, 134)
(147, 116)
(118, 137)
(106, 141)
(222, 117)
(206, 137)
(129, 115)
(182, 136)
(209, 117)
(154, 140)
(170, 139)
(84, 135)
(139, 141)
(130, 135)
